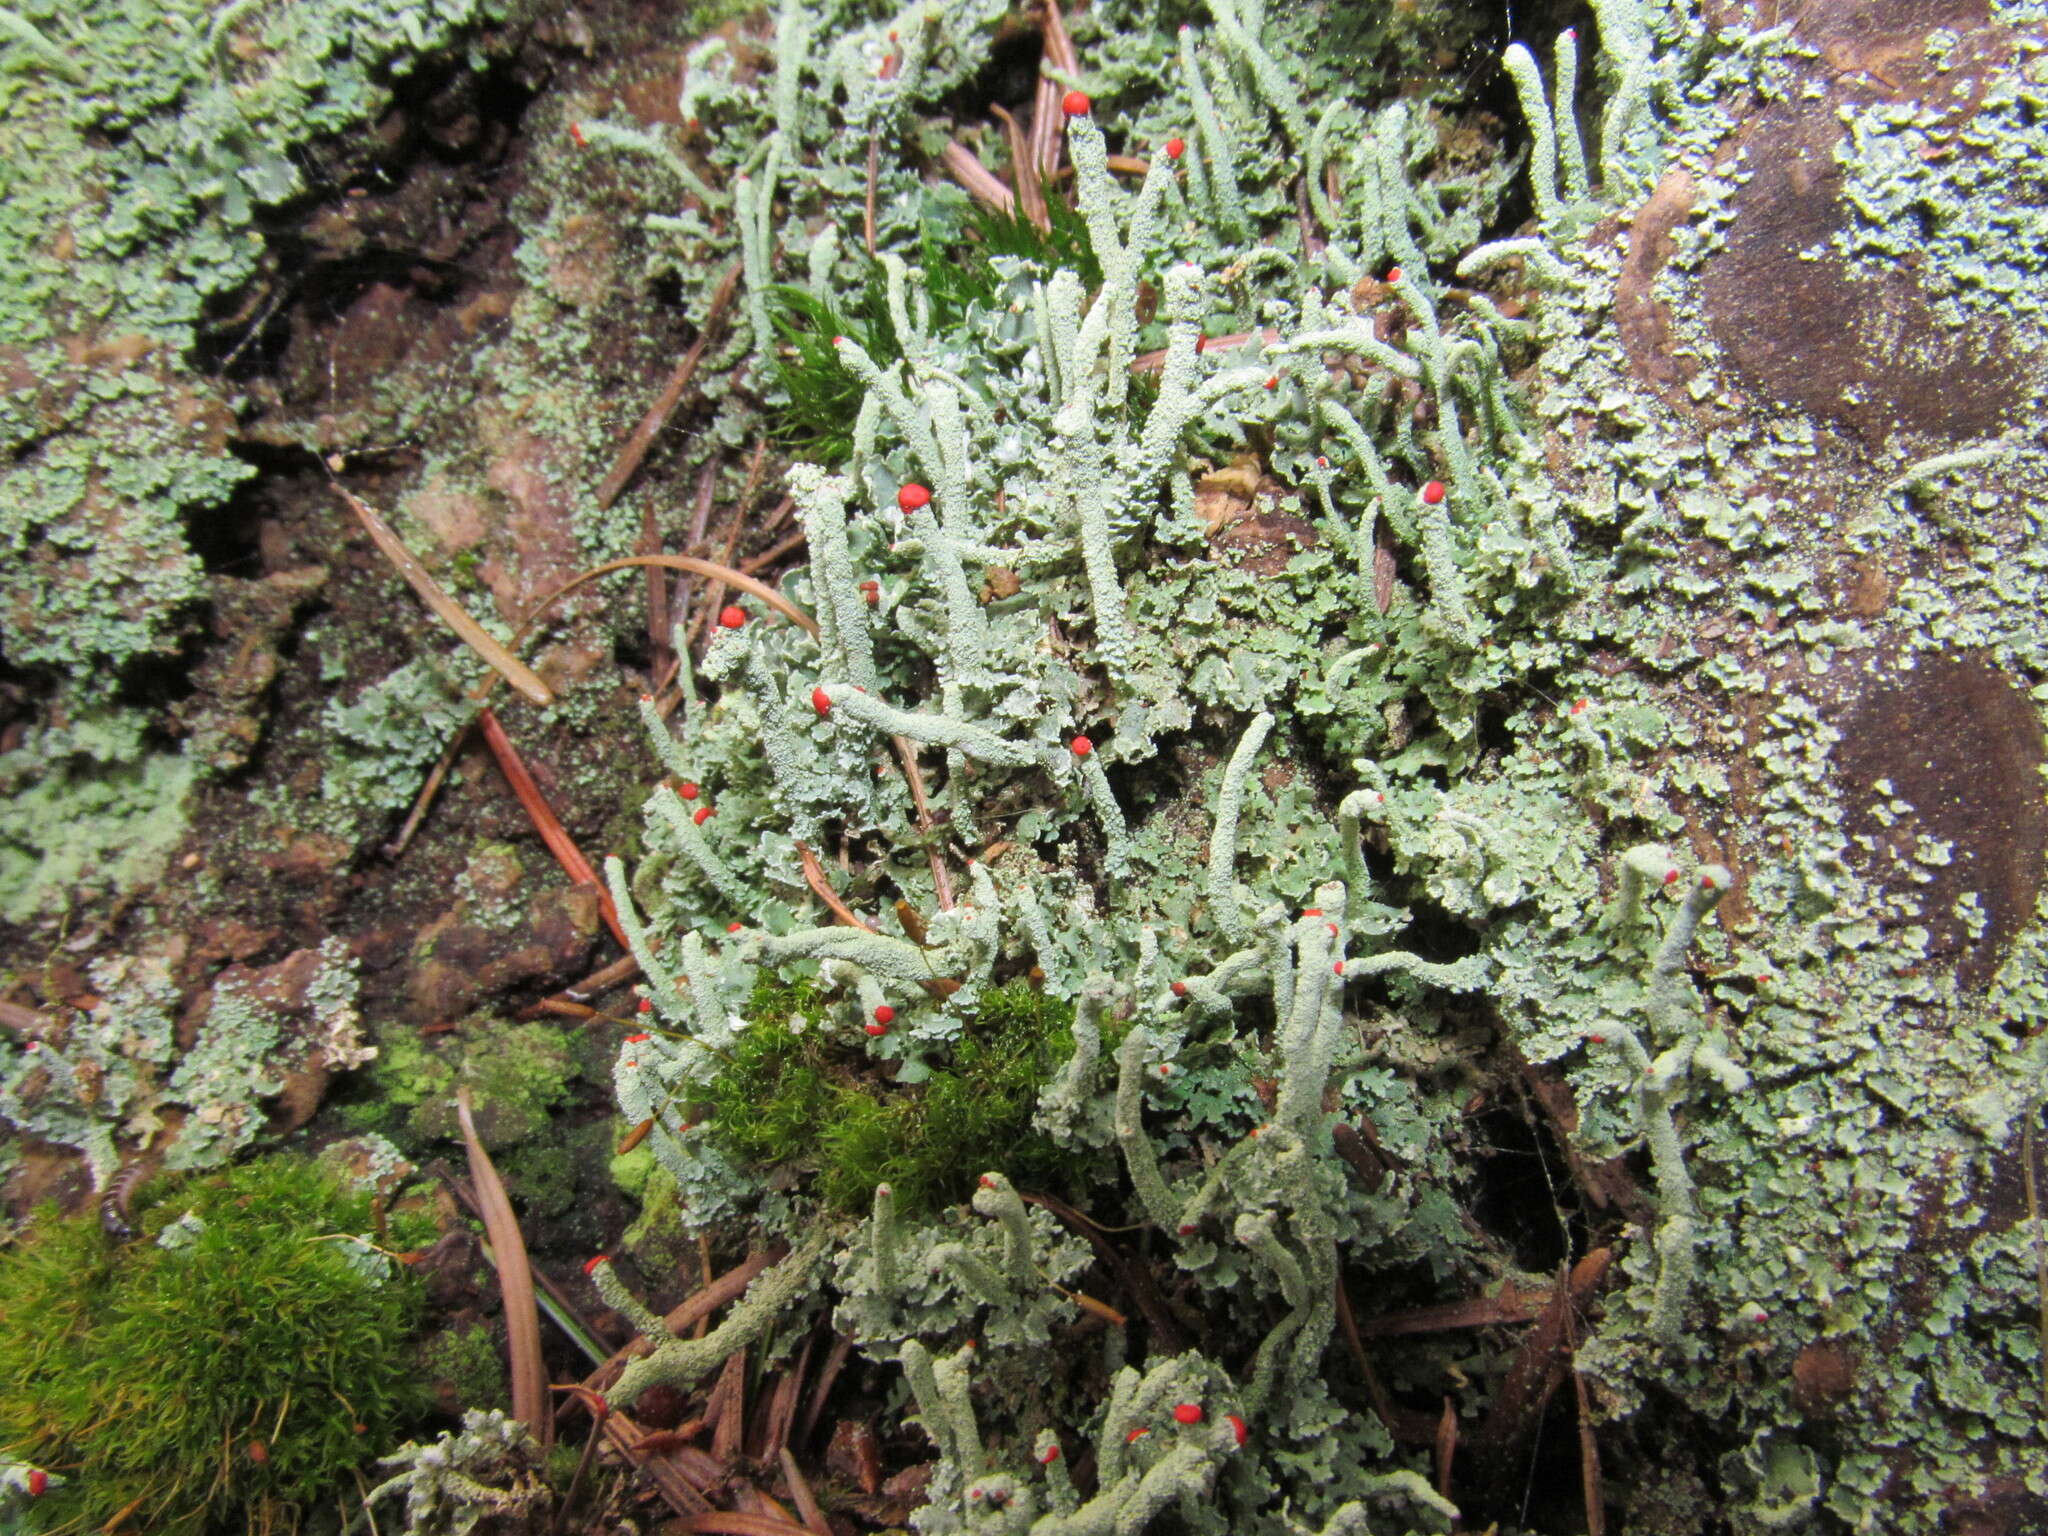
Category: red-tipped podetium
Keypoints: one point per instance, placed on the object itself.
(732, 616)
(1433, 492)
(1075, 104)
(703, 815)
(1237, 1429)
(884, 1014)
(1187, 1413)
(821, 701)
(914, 497)
(590, 1264)
(1081, 746)
(1175, 148)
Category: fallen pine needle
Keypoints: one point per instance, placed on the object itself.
(643, 435)
(450, 612)
(529, 1380)
(550, 827)
(730, 1522)
(814, 876)
(800, 1494)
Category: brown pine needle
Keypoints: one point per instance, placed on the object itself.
(730, 1522)
(773, 553)
(867, 219)
(681, 1494)
(643, 436)
(450, 612)
(660, 627)
(515, 1282)
(975, 178)
(711, 568)
(618, 973)
(800, 1495)
(1024, 170)
(814, 876)
(544, 820)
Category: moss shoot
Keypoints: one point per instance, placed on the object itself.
(219, 1384)
(792, 1095)
(957, 273)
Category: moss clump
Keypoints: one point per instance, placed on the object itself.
(792, 1094)
(520, 1073)
(958, 273)
(214, 1385)
(466, 1368)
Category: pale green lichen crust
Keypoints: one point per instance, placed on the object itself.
(142, 145)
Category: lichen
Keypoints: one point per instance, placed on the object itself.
(144, 144)
(1548, 605)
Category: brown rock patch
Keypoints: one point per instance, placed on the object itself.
(1866, 353)
(1961, 743)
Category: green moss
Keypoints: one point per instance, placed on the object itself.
(518, 1072)
(957, 274)
(792, 1095)
(658, 1239)
(140, 1376)
(542, 1177)
(466, 1367)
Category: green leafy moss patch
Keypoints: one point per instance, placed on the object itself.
(231, 1363)
(793, 1094)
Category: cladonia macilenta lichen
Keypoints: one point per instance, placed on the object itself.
(1417, 510)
